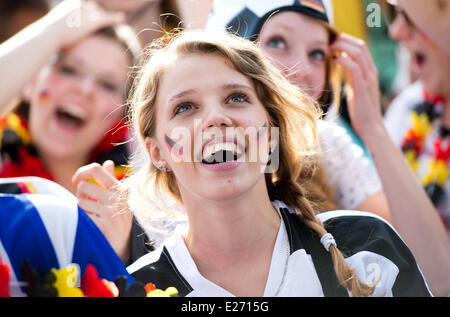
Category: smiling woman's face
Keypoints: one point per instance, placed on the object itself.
(299, 46)
(75, 101)
(205, 97)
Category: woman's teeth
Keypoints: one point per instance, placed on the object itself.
(221, 152)
(71, 116)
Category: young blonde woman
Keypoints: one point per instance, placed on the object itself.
(300, 40)
(251, 230)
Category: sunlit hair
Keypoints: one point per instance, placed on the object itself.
(287, 107)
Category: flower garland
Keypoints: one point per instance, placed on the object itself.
(413, 145)
(21, 158)
(63, 283)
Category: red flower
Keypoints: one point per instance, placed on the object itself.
(441, 152)
(150, 287)
(433, 99)
(413, 141)
(5, 275)
(93, 286)
(30, 166)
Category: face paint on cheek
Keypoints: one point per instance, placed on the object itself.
(176, 150)
(259, 153)
(43, 97)
(261, 132)
(424, 37)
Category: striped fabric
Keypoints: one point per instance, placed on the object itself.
(300, 265)
(48, 229)
(313, 4)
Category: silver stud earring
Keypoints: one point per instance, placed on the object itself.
(163, 169)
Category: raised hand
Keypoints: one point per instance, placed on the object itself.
(362, 75)
(128, 6)
(71, 20)
(103, 198)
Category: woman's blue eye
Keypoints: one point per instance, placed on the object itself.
(68, 70)
(107, 86)
(238, 98)
(277, 42)
(182, 108)
(317, 55)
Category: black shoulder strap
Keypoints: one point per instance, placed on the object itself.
(140, 244)
(321, 259)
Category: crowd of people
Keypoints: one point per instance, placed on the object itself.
(126, 143)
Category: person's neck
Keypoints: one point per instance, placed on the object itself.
(63, 170)
(224, 233)
(446, 114)
(232, 242)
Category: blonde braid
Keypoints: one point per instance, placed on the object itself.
(293, 195)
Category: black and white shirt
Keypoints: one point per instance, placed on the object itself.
(300, 265)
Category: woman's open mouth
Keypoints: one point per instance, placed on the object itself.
(419, 61)
(70, 117)
(222, 156)
(221, 153)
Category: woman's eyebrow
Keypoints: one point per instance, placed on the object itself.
(182, 94)
(64, 58)
(320, 42)
(281, 25)
(236, 86)
(225, 87)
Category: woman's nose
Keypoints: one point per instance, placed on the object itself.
(216, 116)
(400, 30)
(86, 86)
(299, 72)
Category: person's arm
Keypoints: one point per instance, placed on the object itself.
(376, 203)
(354, 180)
(412, 212)
(194, 15)
(23, 55)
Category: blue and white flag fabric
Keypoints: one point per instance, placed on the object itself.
(40, 222)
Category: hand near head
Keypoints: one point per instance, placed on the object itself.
(71, 20)
(128, 6)
(362, 75)
(100, 194)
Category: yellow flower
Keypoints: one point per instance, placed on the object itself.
(438, 173)
(66, 279)
(420, 124)
(13, 121)
(169, 292)
(112, 287)
(412, 160)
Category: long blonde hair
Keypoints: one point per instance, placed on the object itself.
(288, 108)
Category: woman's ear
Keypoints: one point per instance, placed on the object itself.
(154, 152)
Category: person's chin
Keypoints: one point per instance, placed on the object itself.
(224, 191)
(430, 86)
(58, 150)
